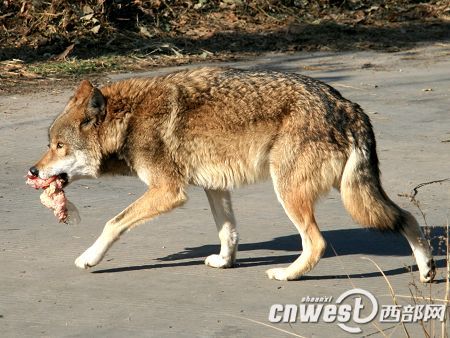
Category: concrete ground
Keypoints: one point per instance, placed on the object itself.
(153, 282)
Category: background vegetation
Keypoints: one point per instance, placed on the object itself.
(67, 38)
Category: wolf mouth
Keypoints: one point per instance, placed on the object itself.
(64, 179)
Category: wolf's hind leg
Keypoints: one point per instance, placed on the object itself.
(155, 201)
(220, 203)
(301, 213)
(297, 189)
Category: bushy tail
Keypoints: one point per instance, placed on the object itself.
(361, 190)
(366, 201)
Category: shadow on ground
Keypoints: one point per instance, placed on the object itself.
(344, 241)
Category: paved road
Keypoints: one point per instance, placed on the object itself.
(153, 282)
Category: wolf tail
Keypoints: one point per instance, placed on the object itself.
(368, 204)
(361, 190)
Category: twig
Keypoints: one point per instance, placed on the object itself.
(444, 332)
(342, 265)
(419, 298)
(422, 325)
(390, 289)
(415, 190)
(395, 328)
(388, 328)
(4, 16)
(264, 324)
(168, 7)
(259, 9)
(354, 286)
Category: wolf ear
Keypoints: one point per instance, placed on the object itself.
(83, 90)
(97, 101)
(95, 110)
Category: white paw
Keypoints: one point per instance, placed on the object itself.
(89, 258)
(430, 272)
(277, 273)
(217, 261)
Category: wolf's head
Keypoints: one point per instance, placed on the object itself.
(73, 150)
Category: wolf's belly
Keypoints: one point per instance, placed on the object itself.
(230, 173)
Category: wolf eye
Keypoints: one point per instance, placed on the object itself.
(85, 121)
(59, 145)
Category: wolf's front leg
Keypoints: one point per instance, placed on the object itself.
(220, 203)
(154, 202)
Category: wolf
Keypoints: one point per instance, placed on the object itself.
(219, 129)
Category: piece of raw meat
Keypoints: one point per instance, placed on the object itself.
(53, 197)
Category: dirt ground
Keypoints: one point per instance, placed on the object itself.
(153, 282)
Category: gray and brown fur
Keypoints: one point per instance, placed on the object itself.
(221, 129)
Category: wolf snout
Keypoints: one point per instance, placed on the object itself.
(34, 171)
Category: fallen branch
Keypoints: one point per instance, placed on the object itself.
(415, 191)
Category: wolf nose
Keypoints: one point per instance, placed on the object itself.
(34, 171)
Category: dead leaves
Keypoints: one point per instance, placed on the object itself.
(61, 30)
(16, 69)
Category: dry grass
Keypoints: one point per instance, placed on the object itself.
(431, 329)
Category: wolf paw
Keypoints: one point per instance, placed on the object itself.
(88, 259)
(217, 261)
(428, 277)
(278, 274)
